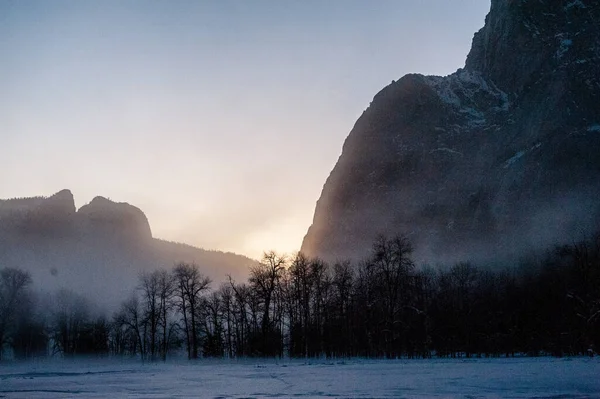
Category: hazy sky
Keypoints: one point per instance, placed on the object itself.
(220, 119)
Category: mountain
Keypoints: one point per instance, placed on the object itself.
(498, 158)
(99, 250)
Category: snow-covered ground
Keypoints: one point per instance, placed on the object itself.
(469, 378)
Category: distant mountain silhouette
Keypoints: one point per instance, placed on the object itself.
(498, 158)
(99, 249)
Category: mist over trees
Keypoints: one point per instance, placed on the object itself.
(383, 307)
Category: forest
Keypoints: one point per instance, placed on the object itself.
(294, 306)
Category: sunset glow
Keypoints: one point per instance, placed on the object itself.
(220, 120)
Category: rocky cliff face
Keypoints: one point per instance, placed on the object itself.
(500, 157)
(38, 216)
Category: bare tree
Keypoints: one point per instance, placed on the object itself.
(69, 317)
(213, 325)
(131, 318)
(300, 295)
(392, 264)
(13, 284)
(264, 279)
(227, 297)
(149, 287)
(191, 284)
(343, 283)
(166, 293)
(158, 289)
(241, 318)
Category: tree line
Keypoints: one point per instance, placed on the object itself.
(383, 307)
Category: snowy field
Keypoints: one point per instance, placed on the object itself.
(478, 378)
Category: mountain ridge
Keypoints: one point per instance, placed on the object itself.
(100, 248)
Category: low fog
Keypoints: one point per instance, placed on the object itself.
(98, 251)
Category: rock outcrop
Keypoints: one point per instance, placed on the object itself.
(108, 218)
(39, 215)
(499, 158)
